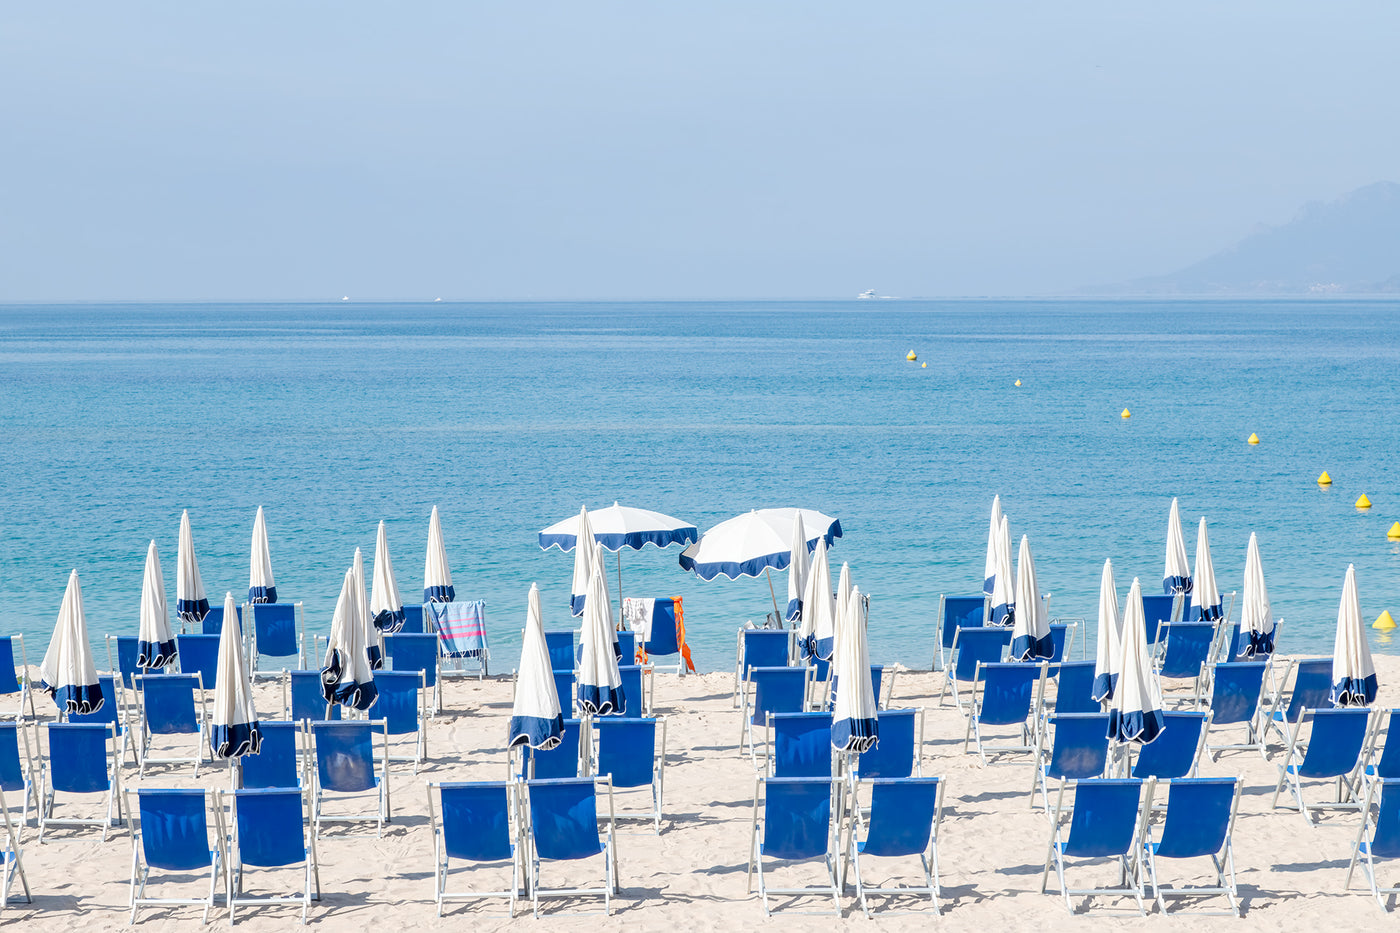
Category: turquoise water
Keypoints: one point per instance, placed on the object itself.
(508, 416)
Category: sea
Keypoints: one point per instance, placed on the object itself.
(510, 415)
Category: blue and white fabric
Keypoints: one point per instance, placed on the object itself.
(1109, 652)
(1353, 672)
(599, 683)
(437, 579)
(260, 585)
(347, 678)
(749, 544)
(989, 573)
(1176, 576)
(1030, 633)
(855, 724)
(233, 728)
(191, 604)
(583, 564)
(385, 604)
(374, 638)
(798, 567)
(817, 634)
(1257, 623)
(1206, 604)
(1135, 712)
(68, 673)
(618, 527)
(536, 717)
(1004, 584)
(155, 645)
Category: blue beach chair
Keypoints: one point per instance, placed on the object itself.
(903, 822)
(1157, 610)
(112, 713)
(1200, 823)
(565, 760)
(83, 759)
(1312, 689)
(402, 704)
(171, 705)
(759, 647)
(199, 654)
(277, 633)
(278, 761)
(971, 647)
(1106, 822)
(346, 767)
(636, 684)
(17, 774)
(1005, 693)
(1387, 765)
(173, 835)
(899, 753)
(11, 860)
(1074, 687)
(1187, 652)
(632, 754)
(560, 646)
(269, 831)
(1333, 752)
(563, 821)
(307, 697)
(213, 623)
(564, 687)
(1078, 751)
(1236, 692)
(1062, 638)
(14, 681)
(123, 651)
(955, 612)
(774, 690)
(478, 825)
(1384, 827)
(801, 745)
(791, 823)
(627, 647)
(1176, 752)
(409, 652)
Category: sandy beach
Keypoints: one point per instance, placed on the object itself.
(692, 875)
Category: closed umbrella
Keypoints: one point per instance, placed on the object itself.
(191, 604)
(536, 718)
(1004, 585)
(599, 684)
(234, 727)
(1109, 652)
(155, 645)
(843, 594)
(260, 586)
(798, 569)
(583, 564)
(1135, 713)
(601, 567)
(989, 573)
(1176, 577)
(347, 679)
(437, 579)
(1257, 622)
(818, 632)
(385, 604)
(374, 639)
(1030, 633)
(68, 673)
(1205, 595)
(1353, 673)
(855, 725)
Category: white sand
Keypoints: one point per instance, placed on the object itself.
(692, 875)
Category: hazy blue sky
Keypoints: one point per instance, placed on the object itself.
(646, 149)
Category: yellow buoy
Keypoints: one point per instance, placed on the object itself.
(1253, 439)
(911, 356)
(1394, 532)
(1363, 502)
(1384, 622)
(1126, 414)
(1018, 383)
(1325, 479)
(925, 365)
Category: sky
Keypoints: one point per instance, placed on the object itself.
(657, 150)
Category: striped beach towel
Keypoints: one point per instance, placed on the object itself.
(462, 628)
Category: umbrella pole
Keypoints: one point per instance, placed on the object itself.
(768, 571)
(619, 580)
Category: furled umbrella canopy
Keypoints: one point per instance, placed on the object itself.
(191, 604)
(68, 673)
(855, 724)
(1176, 576)
(583, 564)
(234, 728)
(1030, 633)
(155, 645)
(385, 604)
(1109, 652)
(1004, 585)
(260, 586)
(1205, 595)
(374, 639)
(1256, 615)
(1135, 712)
(347, 678)
(817, 634)
(536, 718)
(798, 569)
(599, 684)
(437, 579)
(1353, 672)
(989, 573)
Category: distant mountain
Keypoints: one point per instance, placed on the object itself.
(1348, 246)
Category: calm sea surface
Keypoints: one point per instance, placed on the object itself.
(508, 416)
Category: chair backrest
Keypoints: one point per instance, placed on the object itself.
(1385, 841)
(399, 701)
(1312, 687)
(1008, 688)
(777, 690)
(893, 755)
(961, 612)
(1059, 638)
(1388, 766)
(902, 812)
(168, 703)
(275, 764)
(308, 696)
(1199, 813)
(627, 645)
(413, 619)
(626, 750)
(1335, 744)
(199, 654)
(1173, 753)
(766, 648)
(1237, 687)
(663, 640)
(561, 650)
(980, 645)
(275, 628)
(877, 673)
(110, 713)
(269, 827)
(9, 681)
(564, 687)
(1074, 692)
(1080, 747)
(13, 767)
(175, 828)
(213, 623)
(79, 757)
(564, 818)
(1188, 648)
(1156, 610)
(476, 820)
(127, 652)
(561, 761)
(411, 652)
(345, 755)
(632, 698)
(796, 817)
(802, 744)
(1105, 818)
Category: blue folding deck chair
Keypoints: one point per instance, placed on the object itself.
(903, 822)
(821, 671)
(83, 759)
(1062, 640)
(409, 652)
(278, 761)
(899, 753)
(1387, 765)
(413, 619)
(1312, 689)
(1157, 611)
(1005, 693)
(565, 760)
(971, 647)
(123, 651)
(11, 860)
(955, 612)
(1236, 689)
(199, 654)
(560, 646)
(112, 713)
(771, 690)
(1074, 687)
(1078, 751)
(632, 754)
(307, 697)
(276, 635)
(1384, 841)
(213, 622)
(270, 831)
(173, 835)
(1333, 753)
(171, 705)
(562, 818)
(478, 825)
(402, 704)
(635, 690)
(664, 640)
(1187, 653)
(1106, 822)
(800, 745)
(627, 646)
(17, 773)
(1176, 752)
(760, 647)
(792, 821)
(14, 681)
(564, 688)
(346, 764)
(1200, 824)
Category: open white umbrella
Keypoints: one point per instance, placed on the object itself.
(1030, 633)
(233, 728)
(191, 604)
(1256, 615)
(583, 564)
(437, 579)
(260, 585)
(347, 678)
(1109, 652)
(989, 573)
(536, 718)
(1353, 672)
(1176, 576)
(1205, 595)
(818, 632)
(599, 684)
(855, 724)
(1004, 585)
(155, 645)
(617, 527)
(68, 673)
(1135, 712)
(374, 639)
(798, 568)
(385, 604)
